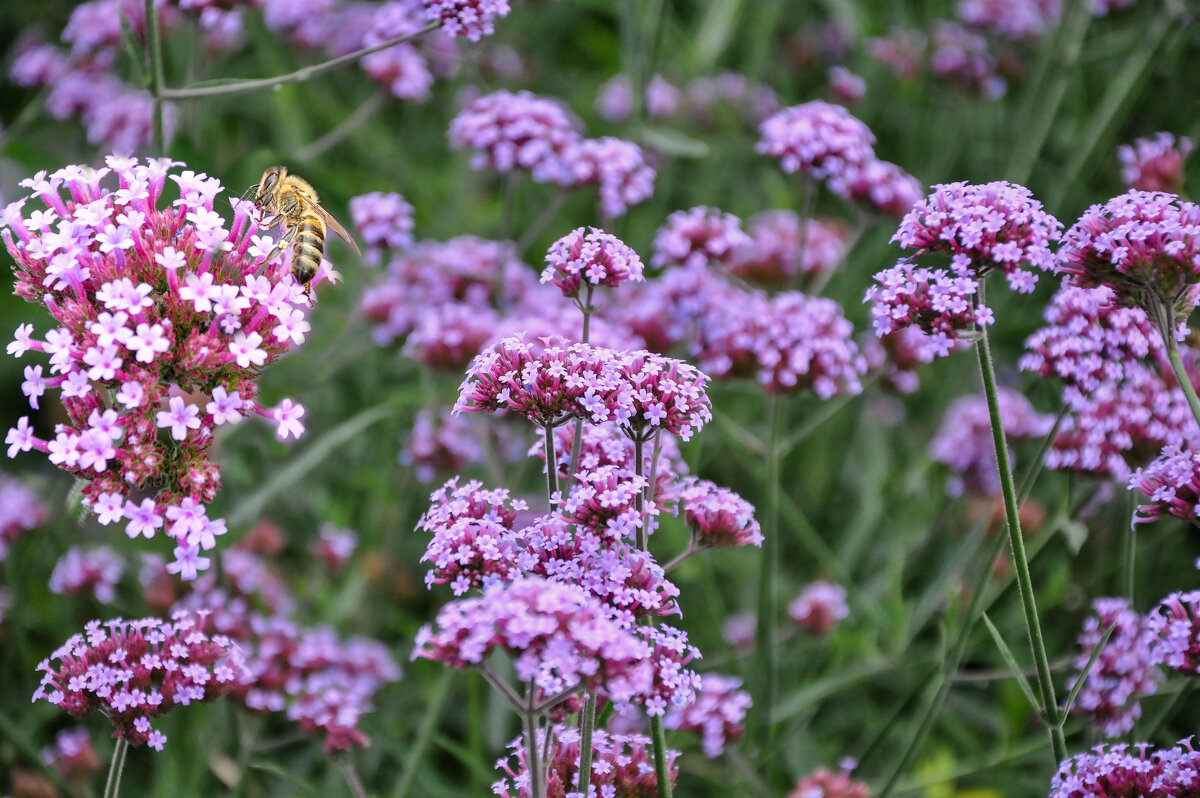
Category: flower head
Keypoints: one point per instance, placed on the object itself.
(825, 783)
(939, 303)
(20, 511)
(718, 517)
(616, 166)
(72, 755)
(1171, 482)
(384, 220)
(819, 139)
(80, 570)
(777, 252)
(819, 607)
(509, 131)
(697, 237)
(590, 256)
(718, 713)
(1175, 624)
(473, 543)
(472, 19)
(1154, 164)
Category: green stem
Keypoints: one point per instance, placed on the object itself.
(302, 74)
(577, 439)
(154, 69)
(1016, 542)
(660, 756)
(533, 756)
(768, 575)
(1181, 375)
(352, 780)
(115, 768)
(587, 723)
(429, 721)
(639, 501)
(360, 116)
(808, 194)
(551, 464)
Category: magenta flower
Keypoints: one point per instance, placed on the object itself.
(558, 636)
(97, 570)
(473, 544)
(151, 305)
(718, 714)
(472, 19)
(448, 336)
(401, 68)
(655, 393)
(1171, 483)
(717, 517)
(384, 220)
(592, 256)
(961, 57)
(1175, 623)
(20, 508)
(138, 670)
(1143, 245)
(1012, 19)
(334, 546)
(617, 167)
(622, 765)
(883, 186)
(821, 140)
(444, 445)
(1125, 670)
(993, 226)
(673, 683)
(72, 755)
(846, 86)
(828, 784)
(1154, 164)
(509, 131)
(1108, 771)
(697, 237)
(940, 304)
(775, 253)
(819, 607)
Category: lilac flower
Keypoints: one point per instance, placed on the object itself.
(819, 607)
(983, 227)
(591, 256)
(472, 543)
(509, 131)
(697, 237)
(940, 304)
(820, 140)
(845, 85)
(719, 713)
(557, 634)
(401, 68)
(1113, 770)
(1154, 164)
(775, 253)
(335, 546)
(1171, 484)
(472, 19)
(655, 393)
(138, 670)
(717, 517)
(178, 307)
(1124, 671)
(616, 166)
(825, 783)
(80, 570)
(961, 57)
(883, 186)
(72, 755)
(622, 765)
(614, 99)
(20, 511)
(1012, 19)
(384, 220)
(964, 440)
(441, 445)
(1143, 245)
(1177, 636)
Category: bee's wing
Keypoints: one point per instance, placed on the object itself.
(336, 226)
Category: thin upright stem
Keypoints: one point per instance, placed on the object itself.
(360, 116)
(551, 464)
(533, 755)
(808, 195)
(768, 572)
(352, 780)
(660, 756)
(577, 439)
(154, 69)
(1181, 375)
(587, 724)
(639, 501)
(548, 214)
(115, 768)
(302, 74)
(1016, 542)
(687, 554)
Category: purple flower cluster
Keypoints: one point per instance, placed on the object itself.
(940, 304)
(473, 543)
(605, 447)
(776, 254)
(622, 765)
(961, 57)
(473, 19)
(1154, 164)
(820, 140)
(1172, 484)
(20, 511)
(819, 607)
(508, 131)
(1175, 624)
(384, 220)
(717, 517)
(1144, 245)
(1012, 19)
(703, 98)
(441, 445)
(1125, 670)
(697, 237)
(964, 441)
(617, 167)
(592, 256)
(884, 186)
(72, 755)
(138, 670)
(1108, 771)
(824, 783)
(80, 570)
(719, 713)
(984, 227)
(170, 313)
(401, 68)
(845, 85)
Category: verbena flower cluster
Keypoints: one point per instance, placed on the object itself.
(590, 256)
(718, 713)
(1138, 770)
(703, 99)
(473, 19)
(819, 607)
(1175, 624)
(508, 131)
(619, 169)
(1171, 483)
(697, 237)
(138, 670)
(384, 220)
(1124, 671)
(20, 511)
(95, 570)
(717, 517)
(939, 303)
(1154, 164)
(825, 783)
(72, 755)
(165, 319)
(1014, 19)
(781, 248)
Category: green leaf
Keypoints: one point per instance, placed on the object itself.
(715, 31)
(672, 142)
(1011, 661)
(133, 49)
(285, 774)
(1087, 669)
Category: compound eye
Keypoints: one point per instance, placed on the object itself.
(269, 181)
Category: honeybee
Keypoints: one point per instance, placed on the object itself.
(292, 201)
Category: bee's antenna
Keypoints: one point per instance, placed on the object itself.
(252, 190)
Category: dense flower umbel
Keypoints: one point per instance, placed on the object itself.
(821, 140)
(166, 318)
(719, 713)
(717, 517)
(697, 237)
(1172, 484)
(622, 765)
(592, 256)
(72, 755)
(559, 637)
(470, 18)
(509, 131)
(1154, 164)
(605, 445)
(884, 186)
(984, 227)
(1144, 245)
(1116, 772)
(617, 167)
(1176, 625)
(964, 440)
(961, 57)
(138, 670)
(819, 607)
(1125, 670)
(775, 254)
(384, 221)
(20, 511)
(1014, 19)
(473, 543)
(657, 393)
(824, 783)
(941, 304)
(79, 570)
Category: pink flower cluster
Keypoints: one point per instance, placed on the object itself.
(622, 765)
(776, 254)
(72, 755)
(472, 541)
(719, 713)
(962, 58)
(166, 310)
(617, 167)
(509, 131)
(1108, 771)
(824, 783)
(1172, 484)
(697, 237)
(939, 303)
(472, 19)
(820, 140)
(592, 256)
(384, 220)
(20, 511)
(1144, 245)
(442, 445)
(1124, 671)
(819, 607)
(605, 447)
(992, 226)
(964, 441)
(1013, 19)
(138, 670)
(80, 570)
(704, 98)
(717, 517)
(1175, 624)
(1154, 164)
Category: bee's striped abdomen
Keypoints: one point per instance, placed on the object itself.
(307, 247)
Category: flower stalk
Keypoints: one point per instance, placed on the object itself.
(115, 768)
(154, 70)
(768, 574)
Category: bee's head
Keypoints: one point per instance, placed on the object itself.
(268, 183)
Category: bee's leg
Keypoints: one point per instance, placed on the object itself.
(283, 243)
